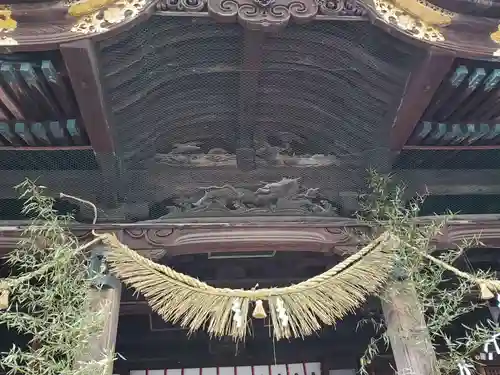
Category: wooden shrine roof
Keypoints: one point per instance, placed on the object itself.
(142, 104)
(458, 26)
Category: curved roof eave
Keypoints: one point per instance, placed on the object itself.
(45, 25)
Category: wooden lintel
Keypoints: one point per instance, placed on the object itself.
(82, 66)
(420, 88)
(156, 239)
(410, 339)
(249, 79)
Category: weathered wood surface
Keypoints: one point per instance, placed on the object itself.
(44, 25)
(410, 340)
(38, 110)
(333, 235)
(420, 88)
(103, 344)
(82, 64)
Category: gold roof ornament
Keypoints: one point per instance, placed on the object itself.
(495, 36)
(7, 23)
(114, 13)
(407, 22)
(86, 7)
(426, 12)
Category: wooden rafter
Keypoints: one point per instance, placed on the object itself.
(249, 78)
(420, 88)
(82, 65)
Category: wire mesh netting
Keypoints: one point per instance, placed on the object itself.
(190, 108)
(177, 80)
(319, 105)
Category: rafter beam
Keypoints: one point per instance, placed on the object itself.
(420, 88)
(82, 66)
(249, 81)
(450, 181)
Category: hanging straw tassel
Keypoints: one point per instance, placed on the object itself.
(259, 312)
(4, 299)
(485, 292)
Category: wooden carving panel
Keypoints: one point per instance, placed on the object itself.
(252, 13)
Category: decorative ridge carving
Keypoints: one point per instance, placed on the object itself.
(342, 8)
(181, 5)
(295, 238)
(326, 7)
(263, 15)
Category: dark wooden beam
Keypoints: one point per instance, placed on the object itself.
(452, 148)
(249, 81)
(420, 88)
(283, 233)
(82, 65)
(449, 181)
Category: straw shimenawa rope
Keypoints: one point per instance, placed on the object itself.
(487, 287)
(296, 311)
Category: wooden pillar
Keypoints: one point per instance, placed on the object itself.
(104, 342)
(106, 299)
(410, 340)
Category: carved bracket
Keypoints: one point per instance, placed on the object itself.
(263, 15)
